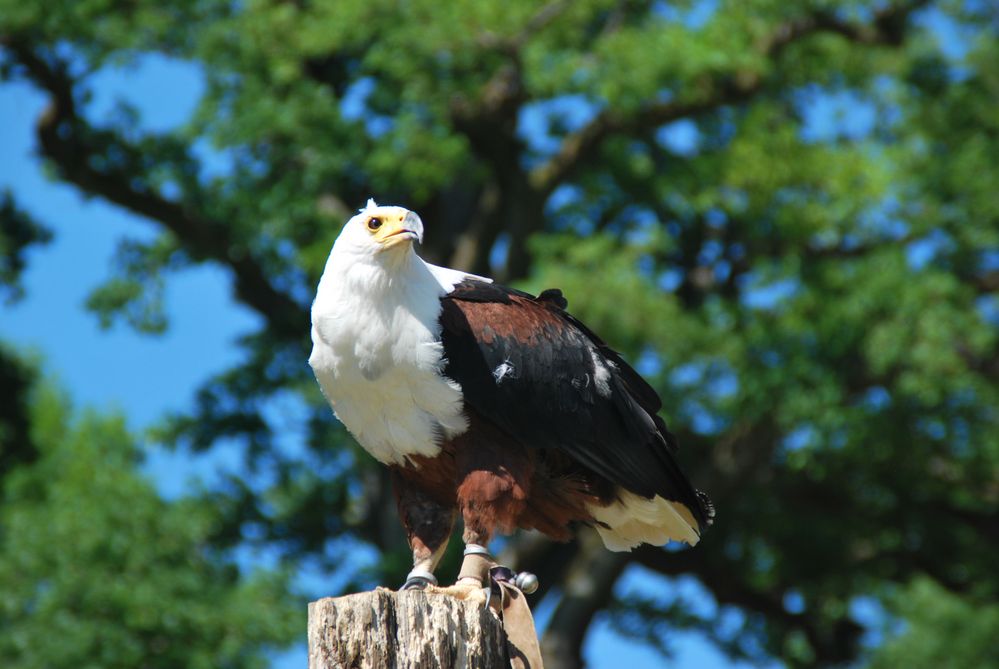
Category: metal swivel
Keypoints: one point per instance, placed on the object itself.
(526, 581)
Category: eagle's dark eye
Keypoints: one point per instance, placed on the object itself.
(374, 223)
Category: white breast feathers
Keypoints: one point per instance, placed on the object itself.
(378, 357)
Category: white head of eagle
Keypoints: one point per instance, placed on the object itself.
(375, 230)
(418, 363)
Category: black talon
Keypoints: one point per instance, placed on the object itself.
(497, 575)
(500, 574)
(418, 583)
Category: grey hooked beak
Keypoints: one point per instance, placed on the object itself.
(413, 222)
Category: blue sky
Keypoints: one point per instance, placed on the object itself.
(144, 376)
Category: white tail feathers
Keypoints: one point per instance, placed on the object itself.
(635, 520)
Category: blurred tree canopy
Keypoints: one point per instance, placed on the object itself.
(97, 570)
(814, 297)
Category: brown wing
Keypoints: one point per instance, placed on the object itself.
(546, 380)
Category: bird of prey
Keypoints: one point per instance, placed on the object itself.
(489, 402)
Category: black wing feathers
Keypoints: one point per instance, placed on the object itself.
(546, 379)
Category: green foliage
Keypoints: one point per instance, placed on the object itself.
(16, 380)
(136, 292)
(97, 570)
(18, 231)
(942, 630)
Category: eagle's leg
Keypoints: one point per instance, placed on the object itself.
(479, 568)
(476, 564)
(480, 576)
(489, 497)
(473, 577)
(494, 481)
(428, 526)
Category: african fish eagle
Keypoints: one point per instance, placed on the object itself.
(491, 402)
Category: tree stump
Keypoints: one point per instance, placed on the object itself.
(385, 629)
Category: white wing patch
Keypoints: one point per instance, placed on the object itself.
(503, 370)
(601, 373)
(449, 278)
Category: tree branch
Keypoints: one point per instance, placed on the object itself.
(541, 19)
(581, 144)
(887, 28)
(78, 149)
(830, 645)
(589, 582)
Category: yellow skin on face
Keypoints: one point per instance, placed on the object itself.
(390, 229)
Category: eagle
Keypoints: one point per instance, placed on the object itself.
(490, 403)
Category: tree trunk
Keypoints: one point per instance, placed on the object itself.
(385, 629)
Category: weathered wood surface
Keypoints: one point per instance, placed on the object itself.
(384, 629)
